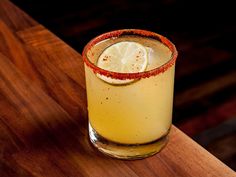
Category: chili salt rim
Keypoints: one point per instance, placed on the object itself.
(137, 75)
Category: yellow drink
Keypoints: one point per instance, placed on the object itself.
(137, 112)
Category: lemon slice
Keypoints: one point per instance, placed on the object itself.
(123, 57)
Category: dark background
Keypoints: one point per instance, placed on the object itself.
(204, 33)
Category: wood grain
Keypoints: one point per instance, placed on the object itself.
(43, 117)
(206, 89)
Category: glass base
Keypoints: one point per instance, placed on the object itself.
(126, 151)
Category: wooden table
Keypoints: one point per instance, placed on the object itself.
(43, 116)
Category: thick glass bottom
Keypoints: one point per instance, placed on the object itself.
(126, 151)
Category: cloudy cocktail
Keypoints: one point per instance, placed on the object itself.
(129, 83)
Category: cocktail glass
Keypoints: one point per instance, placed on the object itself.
(132, 118)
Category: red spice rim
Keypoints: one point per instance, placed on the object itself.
(137, 75)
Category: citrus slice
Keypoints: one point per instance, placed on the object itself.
(123, 57)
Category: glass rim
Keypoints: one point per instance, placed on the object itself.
(136, 75)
